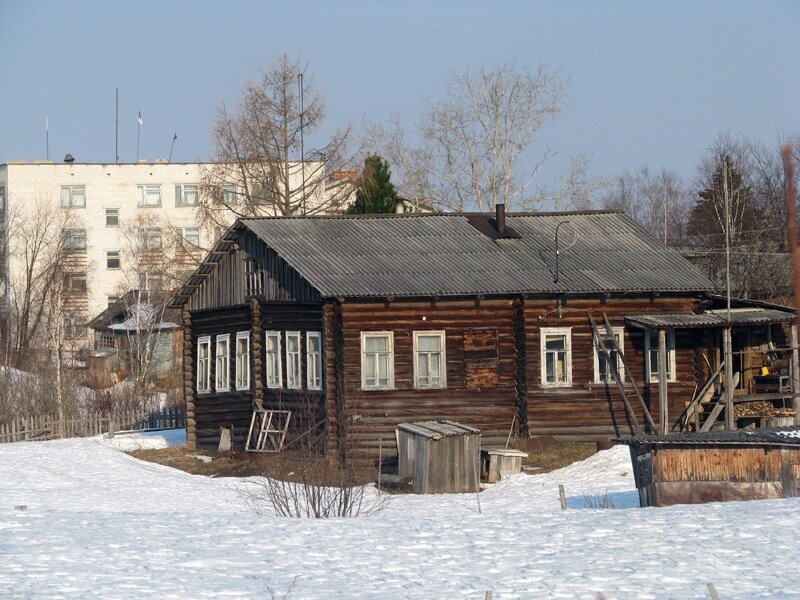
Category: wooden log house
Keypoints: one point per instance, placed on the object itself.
(359, 323)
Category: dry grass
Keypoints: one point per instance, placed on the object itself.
(285, 466)
(560, 454)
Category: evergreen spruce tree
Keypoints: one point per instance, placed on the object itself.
(376, 193)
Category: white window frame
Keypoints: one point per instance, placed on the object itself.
(146, 237)
(314, 376)
(652, 373)
(71, 189)
(543, 333)
(180, 194)
(242, 366)
(294, 364)
(112, 212)
(69, 238)
(142, 194)
(222, 363)
(619, 332)
(183, 231)
(364, 336)
(277, 356)
(204, 387)
(442, 364)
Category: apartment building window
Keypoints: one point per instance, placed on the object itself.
(293, 379)
(75, 283)
(243, 360)
(273, 356)
(377, 360)
(2, 197)
(150, 281)
(191, 235)
(204, 364)
(556, 356)
(150, 238)
(186, 194)
(602, 373)
(112, 300)
(112, 217)
(73, 196)
(73, 240)
(314, 360)
(651, 355)
(74, 326)
(429, 360)
(222, 381)
(229, 195)
(112, 259)
(149, 195)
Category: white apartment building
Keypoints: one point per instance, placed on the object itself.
(106, 211)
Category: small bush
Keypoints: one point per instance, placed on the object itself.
(603, 501)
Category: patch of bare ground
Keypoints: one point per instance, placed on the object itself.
(285, 466)
(554, 454)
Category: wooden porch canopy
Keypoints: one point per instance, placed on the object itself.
(752, 314)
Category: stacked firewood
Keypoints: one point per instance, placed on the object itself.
(759, 408)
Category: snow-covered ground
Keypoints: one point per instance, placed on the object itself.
(100, 523)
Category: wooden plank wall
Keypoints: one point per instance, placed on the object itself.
(225, 285)
(588, 411)
(481, 368)
(214, 410)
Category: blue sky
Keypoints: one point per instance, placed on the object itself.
(651, 83)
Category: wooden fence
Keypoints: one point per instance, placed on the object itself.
(48, 427)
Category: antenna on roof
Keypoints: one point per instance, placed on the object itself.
(116, 129)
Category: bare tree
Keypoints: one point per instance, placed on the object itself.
(257, 150)
(475, 145)
(42, 238)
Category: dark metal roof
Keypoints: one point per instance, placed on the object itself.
(750, 316)
(444, 255)
(437, 429)
(781, 436)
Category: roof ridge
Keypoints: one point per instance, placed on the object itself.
(433, 214)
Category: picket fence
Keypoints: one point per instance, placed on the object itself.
(48, 427)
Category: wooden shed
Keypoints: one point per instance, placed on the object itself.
(716, 466)
(440, 457)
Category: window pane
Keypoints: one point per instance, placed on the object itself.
(272, 343)
(293, 343)
(313, 343)
(65, 196)
(383, 369)
(429, 343)
(376, 343)
(435, 366)
(422, 368)
(555, 342)
(78, 196)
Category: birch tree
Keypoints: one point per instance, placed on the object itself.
(476, 145)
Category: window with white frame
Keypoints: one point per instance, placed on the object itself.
(602, 373)
(73, 240)
(112, 217)
(203, 364)
(429, 360)
(186, 194)
(149, 238)
(556, 355)
(243, 360)
(222, 381)
(377, 360)
(229, 195)
(293, 378)
(191, 235)
(148, 195)
(112, 259)
(273, 356)
(73, 196)
(314, 360)
(651, 355)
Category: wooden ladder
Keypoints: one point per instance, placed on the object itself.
(269, 427)
(615, 373)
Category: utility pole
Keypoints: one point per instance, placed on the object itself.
(47, 138)
(726, 333)
(791, 234)
(116, 129)
(302, 147)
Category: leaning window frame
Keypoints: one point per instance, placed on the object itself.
(543, 333)
(203, 389)
(278, 357)
(652, 374)
(242, 335)
(443, 361)
(226, 371)
(618, 332)
(316, 382)
(390, 375)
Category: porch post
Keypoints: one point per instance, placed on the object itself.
(728, 357)
(663, 407)
(795, 375)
